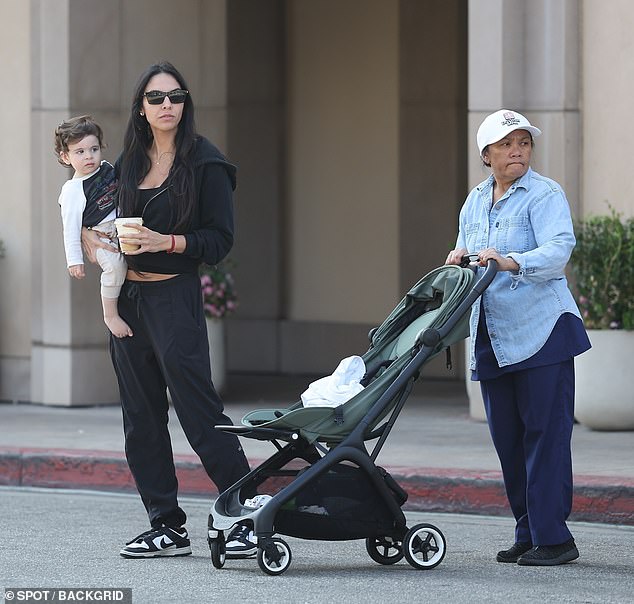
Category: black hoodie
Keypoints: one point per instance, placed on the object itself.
(210, 237)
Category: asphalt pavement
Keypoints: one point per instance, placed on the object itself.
(442, 457)
(70, 539)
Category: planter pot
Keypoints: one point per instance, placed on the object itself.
(604, 397)
(216, 336)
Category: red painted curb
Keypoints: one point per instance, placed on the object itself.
(596, 498)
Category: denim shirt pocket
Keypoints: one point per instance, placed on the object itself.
(513, 235)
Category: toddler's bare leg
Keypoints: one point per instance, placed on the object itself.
(118, 327)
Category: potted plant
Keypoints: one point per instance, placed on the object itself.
(219, 300)
(602, 270)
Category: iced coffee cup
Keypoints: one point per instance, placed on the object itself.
(123, 231)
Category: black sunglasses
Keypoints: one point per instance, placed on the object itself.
(156, 97)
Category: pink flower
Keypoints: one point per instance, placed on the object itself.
(217, 286)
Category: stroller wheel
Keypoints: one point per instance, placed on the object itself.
(274, 556)
(384, 550)
(424, 546)
(218, 550)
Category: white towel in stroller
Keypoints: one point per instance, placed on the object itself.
(334, 390)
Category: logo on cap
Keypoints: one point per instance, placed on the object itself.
(509, 119)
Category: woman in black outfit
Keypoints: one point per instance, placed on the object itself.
(181, 185)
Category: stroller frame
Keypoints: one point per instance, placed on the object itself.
(388, 541)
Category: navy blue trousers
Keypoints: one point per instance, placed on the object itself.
(531, 415)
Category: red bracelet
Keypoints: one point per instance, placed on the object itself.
(173, 246)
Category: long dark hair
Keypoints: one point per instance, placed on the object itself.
(135, 163)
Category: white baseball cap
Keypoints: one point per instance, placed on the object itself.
(497, 125)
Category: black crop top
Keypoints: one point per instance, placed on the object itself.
(158, 262)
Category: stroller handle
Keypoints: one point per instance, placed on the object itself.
(487, 277)
(469, 260)
(472, 261)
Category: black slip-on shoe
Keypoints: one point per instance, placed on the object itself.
(550, 555)
(514, 552)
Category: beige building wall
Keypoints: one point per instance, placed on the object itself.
(318, 104)
(343, 138)
(368, 97)
(607, 92)
(347, 120)
(18, 164)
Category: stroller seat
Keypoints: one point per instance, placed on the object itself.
(427, 306)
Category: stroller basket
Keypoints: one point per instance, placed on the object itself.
(340, 505)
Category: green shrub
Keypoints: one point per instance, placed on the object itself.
(603, 271)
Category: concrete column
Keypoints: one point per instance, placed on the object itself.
(525, 56)
(256, 79)
(18, 167)
(69, 360)
(608, 86)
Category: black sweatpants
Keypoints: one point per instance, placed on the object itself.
(169, 349)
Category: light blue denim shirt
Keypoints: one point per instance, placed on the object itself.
(531, 223)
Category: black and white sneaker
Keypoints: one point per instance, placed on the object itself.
(163, 541)
(241, 542)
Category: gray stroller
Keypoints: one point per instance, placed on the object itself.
(323, 479)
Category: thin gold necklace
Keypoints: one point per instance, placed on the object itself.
(158, 160)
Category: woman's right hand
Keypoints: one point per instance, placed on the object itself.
(91, 242)
(455, 256)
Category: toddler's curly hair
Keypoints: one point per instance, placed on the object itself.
(73, 130)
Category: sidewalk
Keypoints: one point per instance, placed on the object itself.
(443, 458)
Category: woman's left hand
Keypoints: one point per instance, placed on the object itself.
(504, 263)
(150, 241)
(91, 241)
